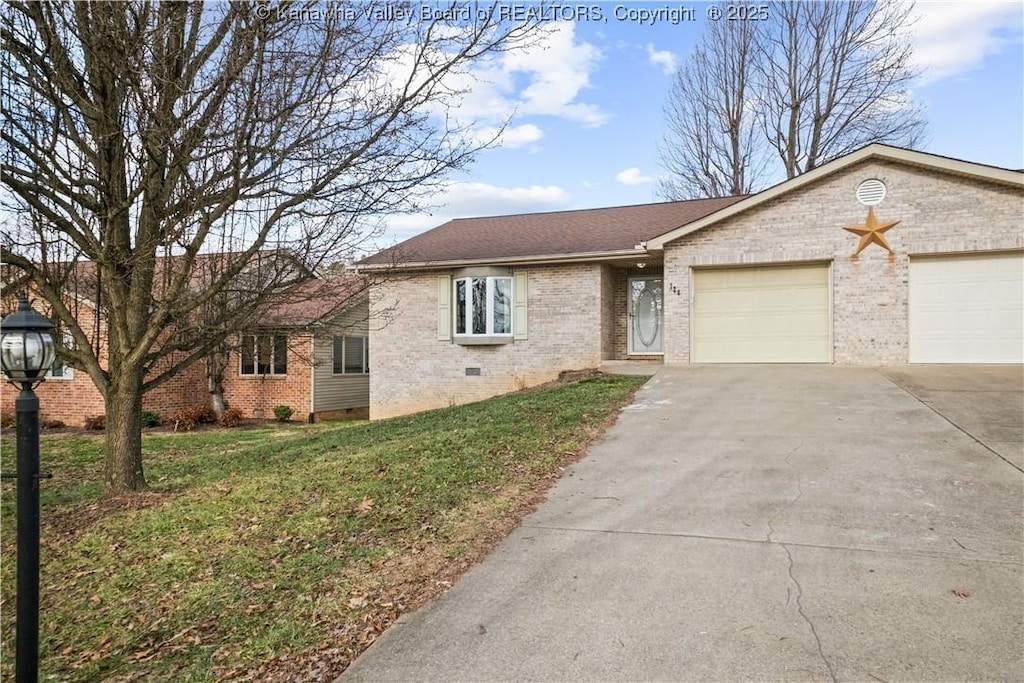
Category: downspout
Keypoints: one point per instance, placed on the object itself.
(312, 377)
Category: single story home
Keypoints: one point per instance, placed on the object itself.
(311, 354)
(885, 256)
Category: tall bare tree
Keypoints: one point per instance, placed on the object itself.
(169, 162)
(711, 147)
(819, 79)
(836, 76)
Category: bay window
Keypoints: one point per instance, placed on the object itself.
(483, 306)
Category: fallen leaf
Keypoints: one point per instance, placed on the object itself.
(366, 505)
(962, 592)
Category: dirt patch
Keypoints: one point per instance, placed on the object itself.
(63, 523)
(573, 376)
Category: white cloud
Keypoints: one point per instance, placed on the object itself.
(465, 200)
(547, 78)
(559, 69)
(482, 199)
(663, 58)
(633, 176)
(517, 136)
(950, 38)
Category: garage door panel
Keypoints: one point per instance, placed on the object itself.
(967, 309)
(762, 315)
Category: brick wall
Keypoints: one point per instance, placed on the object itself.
(67, 400)
(413, 371)
(187, 387)
(73, 397)
(253, 393)
(938, 213)
(608, 284)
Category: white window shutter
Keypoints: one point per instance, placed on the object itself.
(519, 314)
(444, 308)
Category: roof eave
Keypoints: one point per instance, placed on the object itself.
(874, 151)
(540, 260)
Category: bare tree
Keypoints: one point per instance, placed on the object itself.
(836, 76)
(711, 148)
(182, 166)
(816, 79)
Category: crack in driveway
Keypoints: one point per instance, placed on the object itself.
(803, 614)
(951, 557)
(789, 555)
(791, 502)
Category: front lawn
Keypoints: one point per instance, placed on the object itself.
(281, 553)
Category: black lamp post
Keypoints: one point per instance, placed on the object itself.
(27, 352)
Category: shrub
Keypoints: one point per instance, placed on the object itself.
(8, 420)
(97, 423)
(150, 418)
(231, 417)
(54, 424)
(190, 417)
(283, 413)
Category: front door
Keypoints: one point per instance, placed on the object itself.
(646, 315)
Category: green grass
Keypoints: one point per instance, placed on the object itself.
(262, 550)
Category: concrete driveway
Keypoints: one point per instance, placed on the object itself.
(758, 522)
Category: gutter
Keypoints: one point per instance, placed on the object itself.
(639, 251)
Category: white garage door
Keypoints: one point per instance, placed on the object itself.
(777, 314)
(967, 309)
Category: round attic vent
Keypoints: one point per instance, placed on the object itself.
(871, 192)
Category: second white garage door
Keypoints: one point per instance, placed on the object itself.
(777, 314)
(967, 309)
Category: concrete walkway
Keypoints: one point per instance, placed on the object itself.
(756, 522)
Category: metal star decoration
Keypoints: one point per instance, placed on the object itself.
(871, 231)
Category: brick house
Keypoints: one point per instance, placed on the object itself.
(884, 256)
(319, 370)
(322, 373)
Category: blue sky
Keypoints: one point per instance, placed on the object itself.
(586, 107)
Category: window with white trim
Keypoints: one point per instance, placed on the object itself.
(263, 354)
(351, 356)
(483, 306)
(60, 369)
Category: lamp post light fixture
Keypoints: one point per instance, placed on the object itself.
(26, 353)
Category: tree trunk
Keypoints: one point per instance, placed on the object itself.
(216, 362)
(123, 465)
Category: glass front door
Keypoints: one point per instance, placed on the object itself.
(646, 315)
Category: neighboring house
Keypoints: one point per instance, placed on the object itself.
(319, 369)
(884, 256)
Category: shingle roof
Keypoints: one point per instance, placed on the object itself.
(560, 233)
(316, 300)
(308, 302)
